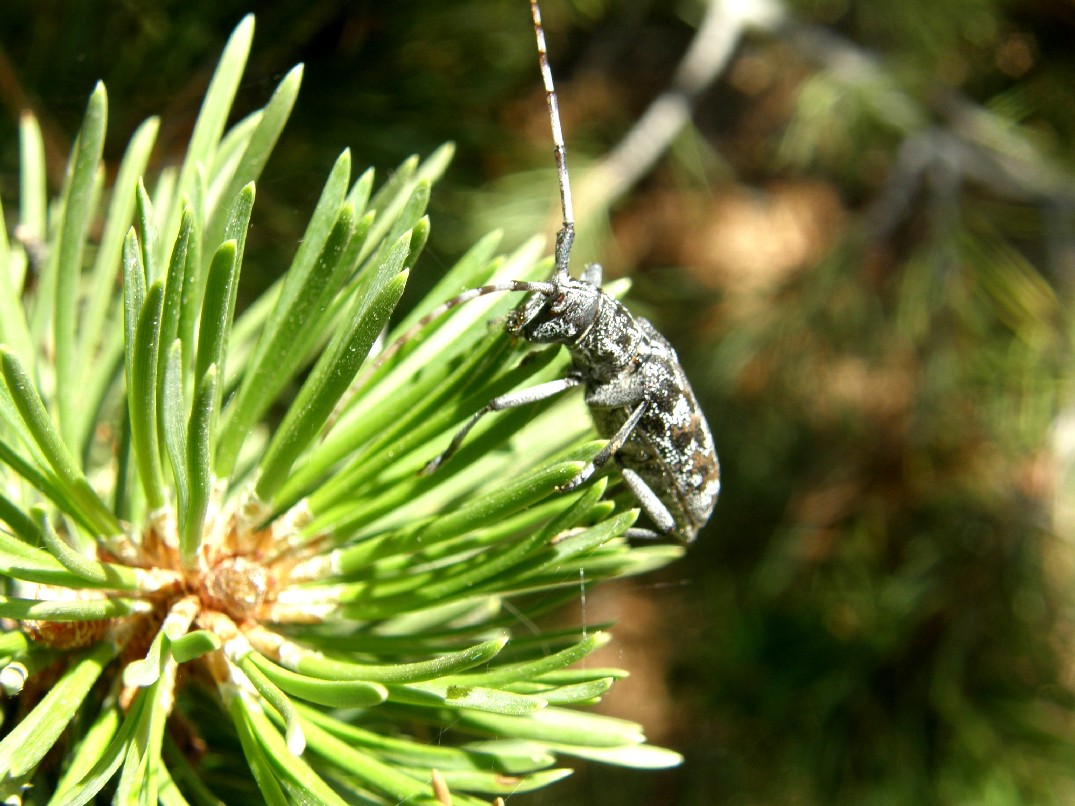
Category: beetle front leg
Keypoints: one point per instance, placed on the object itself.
(592, 274)
(511, 400)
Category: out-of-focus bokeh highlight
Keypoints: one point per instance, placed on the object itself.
(861, 240)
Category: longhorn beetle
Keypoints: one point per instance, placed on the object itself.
(636, 390)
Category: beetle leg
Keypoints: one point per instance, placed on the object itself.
(610, 449)
(593, 274)
(650, 503)
(511, 400)
(624, 392)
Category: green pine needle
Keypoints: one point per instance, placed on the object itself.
(213, 527)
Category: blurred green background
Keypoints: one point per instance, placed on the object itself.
(863, 248)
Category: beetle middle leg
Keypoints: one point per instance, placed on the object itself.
(647, 499)
(610, 449)
(511, 400)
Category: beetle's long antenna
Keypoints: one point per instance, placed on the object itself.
(566, 236)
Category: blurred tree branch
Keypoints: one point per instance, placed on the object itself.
(972, 143)
(718, 35)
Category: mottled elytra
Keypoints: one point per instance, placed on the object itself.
(636, 390)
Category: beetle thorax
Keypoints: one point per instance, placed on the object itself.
(611, 346)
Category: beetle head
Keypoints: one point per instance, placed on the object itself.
(560, 317)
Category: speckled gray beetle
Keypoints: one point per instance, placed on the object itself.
(636, 390)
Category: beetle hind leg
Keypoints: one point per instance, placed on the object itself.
(651, 505)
